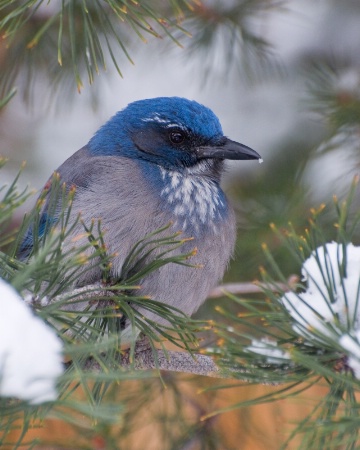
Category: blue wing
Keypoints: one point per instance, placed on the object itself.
(44, 225)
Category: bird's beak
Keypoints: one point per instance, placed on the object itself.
(227, 149)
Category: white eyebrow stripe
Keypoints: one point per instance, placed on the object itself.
(158, 119)
(155, 119)
(176, 125)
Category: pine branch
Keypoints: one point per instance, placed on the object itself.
(145, 357)
(92, 291)
(74, 40)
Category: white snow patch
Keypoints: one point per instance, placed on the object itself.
(331, 300)
(330, 304)
(30, 352)
(268, 348)
(352, 346)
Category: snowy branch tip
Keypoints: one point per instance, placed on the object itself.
(327, 312)
(30, 352)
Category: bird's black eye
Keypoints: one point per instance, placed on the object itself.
(176, 137)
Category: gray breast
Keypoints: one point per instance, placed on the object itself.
(130, 207)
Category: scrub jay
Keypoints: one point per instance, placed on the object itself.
(157, 161)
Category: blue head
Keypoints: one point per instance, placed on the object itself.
(172, 132)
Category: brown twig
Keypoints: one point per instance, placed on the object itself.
(252, 288)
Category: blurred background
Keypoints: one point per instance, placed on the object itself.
(282, 76)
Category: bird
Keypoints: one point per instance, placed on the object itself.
(158, 161)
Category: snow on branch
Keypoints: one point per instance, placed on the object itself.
(30, 352)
